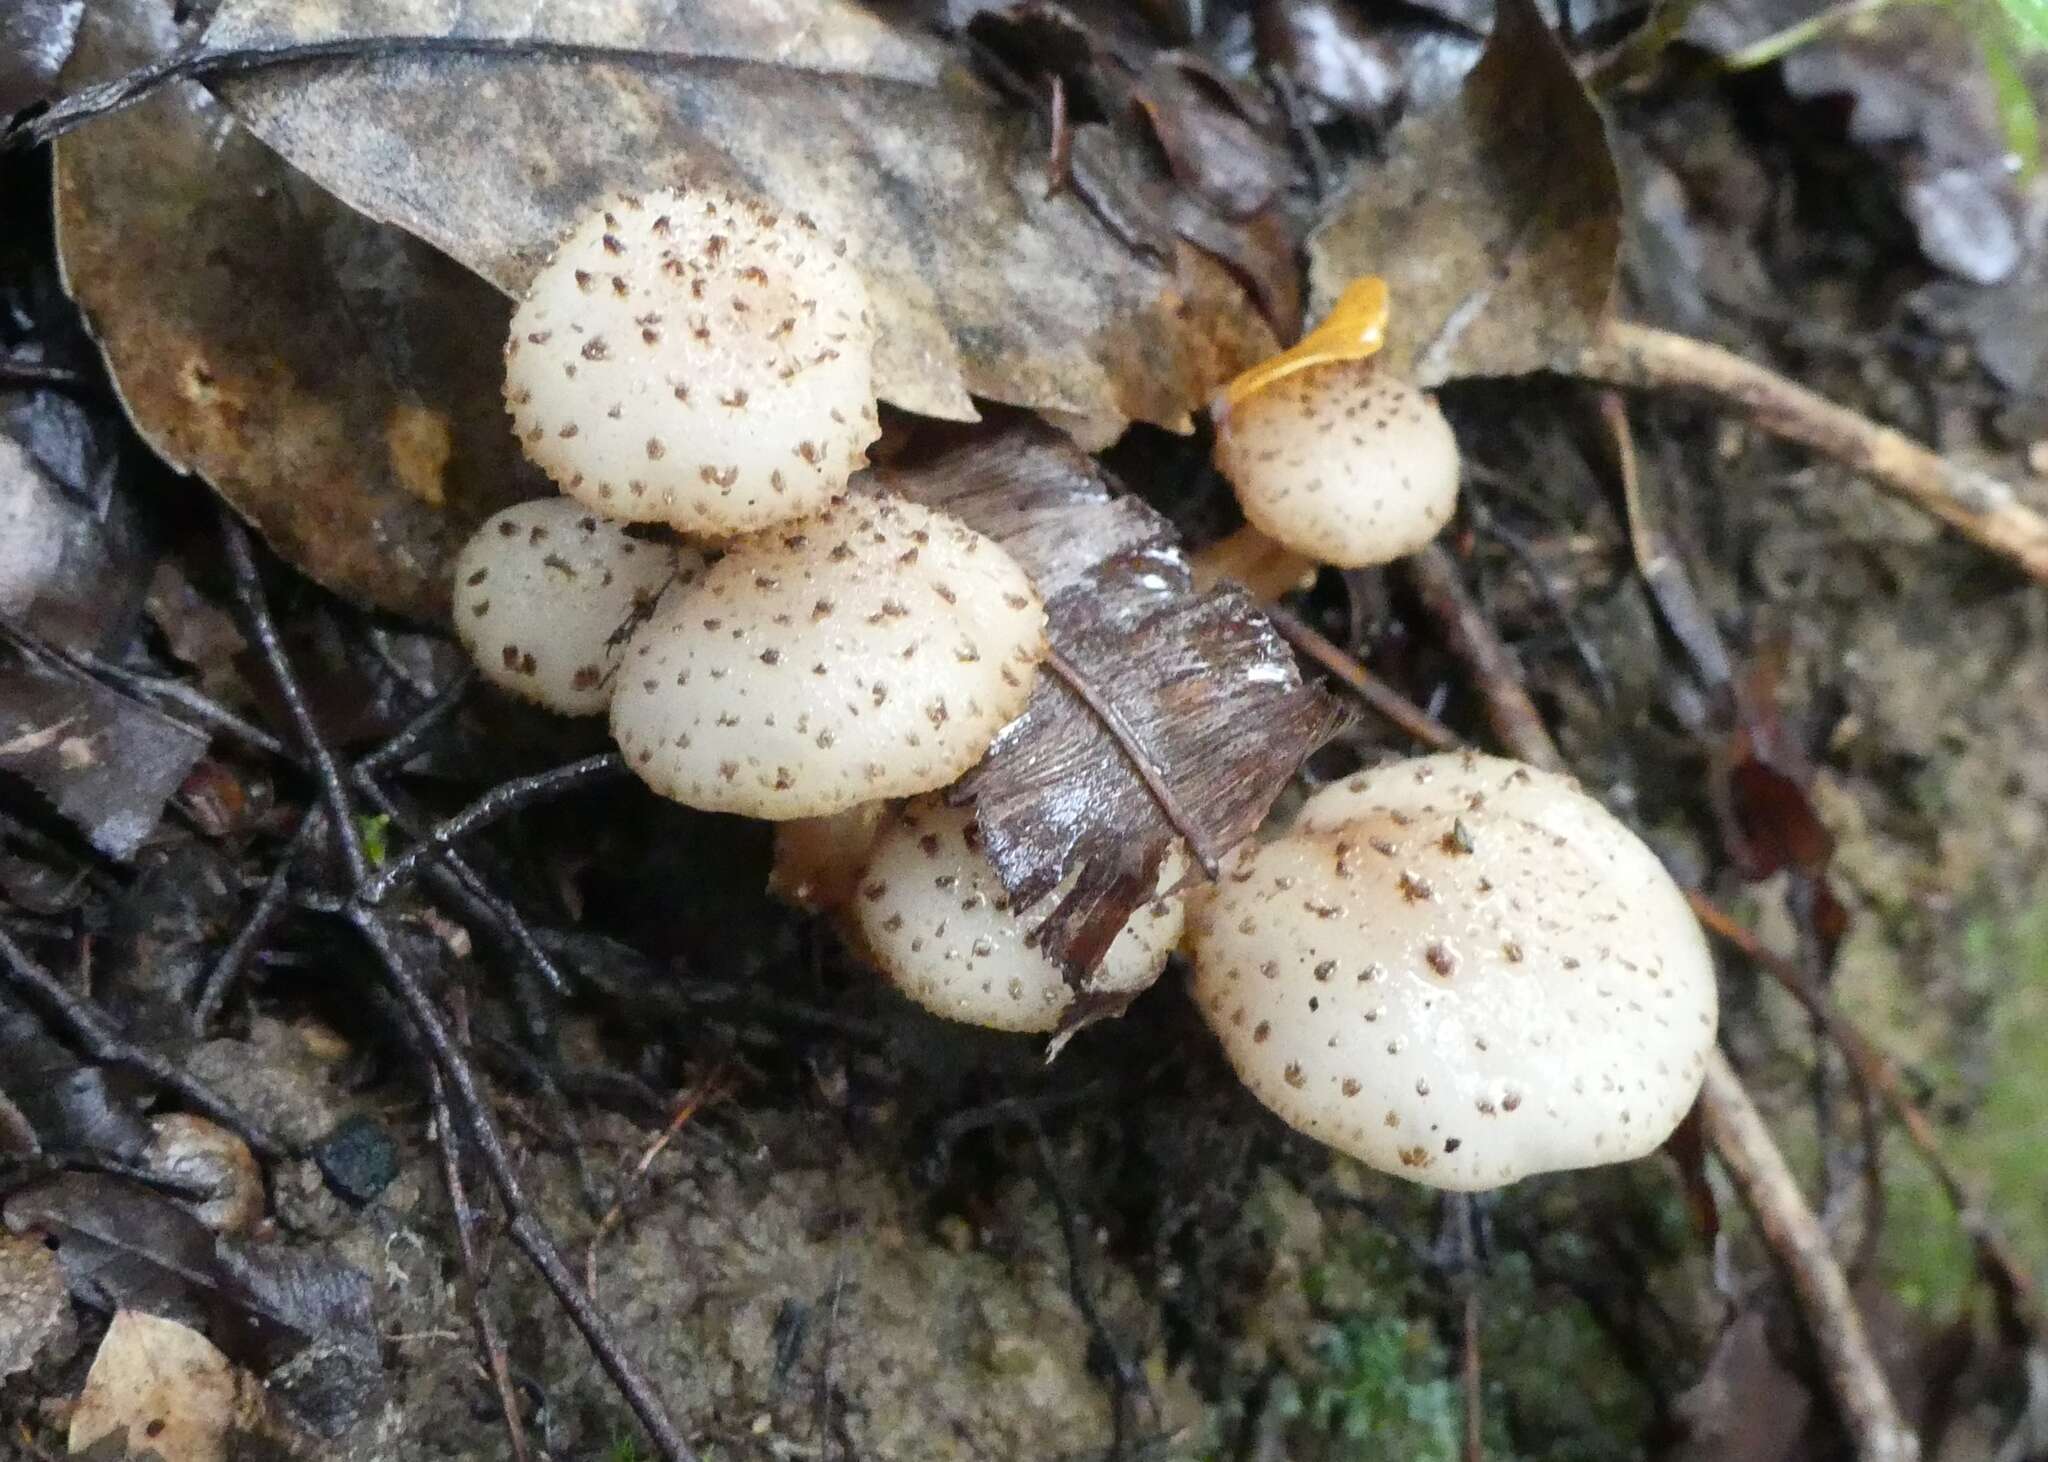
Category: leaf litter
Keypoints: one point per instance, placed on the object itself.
(984, 286)
(296, 1315)
(336, 381)
(1500, 256)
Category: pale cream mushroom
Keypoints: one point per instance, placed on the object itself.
(1463, 783)
(1458, 993)
(544, 592)
(697, 359)
(1342, 463)
(1335, 460)
(935, 919)
(872, 651)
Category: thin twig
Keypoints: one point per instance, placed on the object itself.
(1513, 716)
(96, 1035)
(487, 1340)
(692, 1102)
(249, 592)
(1976, 504)
(202, 64)
(501, 801)
(47, 375)
(256, 928)
(1743, 1144)
(1134, 750)
(529, 1234)
(401, 746)
(1125, 1378)
(1387, 702)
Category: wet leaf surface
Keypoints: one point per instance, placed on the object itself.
(66, 1104)
(104, 760)
(267, 1306)
(35, 37)
(983, 285)
(336, 381)
(1201, 682)
(1500, 256)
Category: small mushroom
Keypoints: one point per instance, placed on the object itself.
(1332, 457)
(934, 917)
(871, 651)
(697, 359)
(543, 593)
(1457, 992)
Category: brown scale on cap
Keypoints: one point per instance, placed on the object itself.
(696, 359)
(933, 916)
(1550, 1007)
(543, 592)
(871, 651)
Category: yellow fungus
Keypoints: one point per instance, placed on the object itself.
(1355, 329)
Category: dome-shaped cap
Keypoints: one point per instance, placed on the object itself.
(1459, 998)
(696, 359)
(935, 918)
(1342, 463)
(871, 651)
(544, 592)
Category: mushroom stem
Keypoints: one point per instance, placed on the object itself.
(1253, 561)
(1771, 1193)
(818, 859)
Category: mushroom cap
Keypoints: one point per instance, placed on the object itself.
(936, 919)
(696, 359)
(1342, 463)
(543, 590)
(871, 651)
(1465, 782)
(1458, 998)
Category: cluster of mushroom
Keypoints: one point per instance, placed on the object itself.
(695, 372)
(1457, 969)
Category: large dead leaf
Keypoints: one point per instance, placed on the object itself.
(984, 286)
(1171, 711)
(337, 381)
(1496, 220)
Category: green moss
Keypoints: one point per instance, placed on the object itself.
(1384, 1389)
(1991, 1081)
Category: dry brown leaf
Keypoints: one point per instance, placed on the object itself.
(166, 1391)
(1203, 688)
(1496, 219)
(983, 285)
(336, 381)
